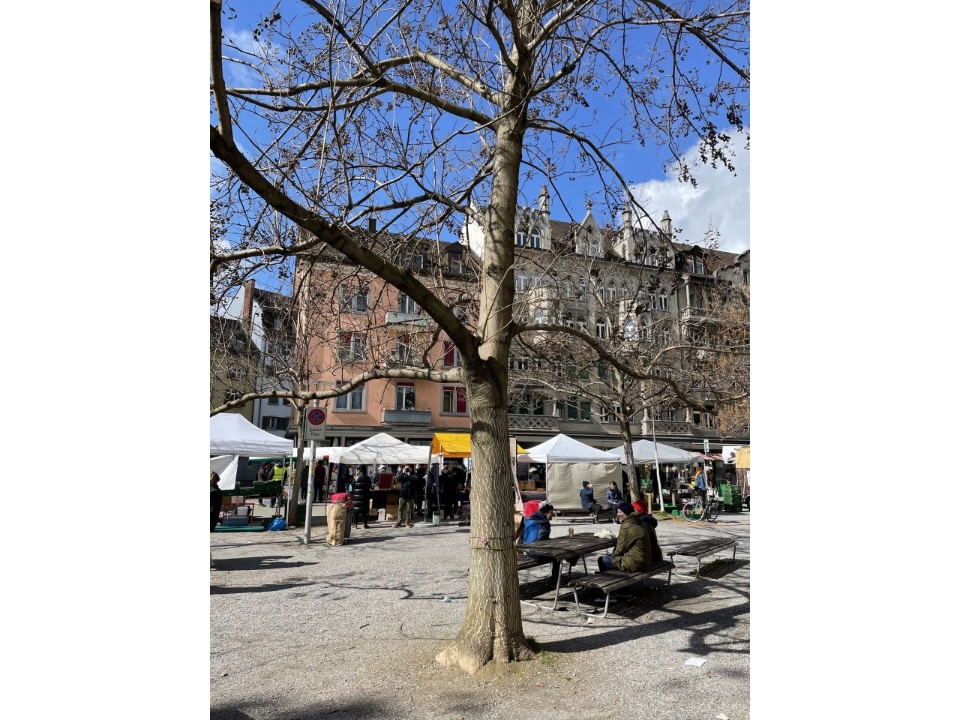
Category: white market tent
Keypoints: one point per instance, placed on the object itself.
(379, 449)
(569, 462)
(232, 434)
(644, 452)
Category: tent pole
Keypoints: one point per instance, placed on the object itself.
(656, 458)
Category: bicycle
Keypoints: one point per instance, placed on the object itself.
(695, 511)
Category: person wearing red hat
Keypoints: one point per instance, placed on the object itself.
(649, 523)
(632, 552)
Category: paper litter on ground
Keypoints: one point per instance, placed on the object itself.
(695, 661)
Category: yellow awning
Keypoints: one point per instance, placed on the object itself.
(743, 458)
(455, 445)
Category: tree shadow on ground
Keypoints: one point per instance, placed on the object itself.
(268, 587)
(263, 562)
(309, 711)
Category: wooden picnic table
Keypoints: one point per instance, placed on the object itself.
(569, 548)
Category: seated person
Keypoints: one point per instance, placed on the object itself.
(649, 523)
(537, 527)
(632, 552)
(587, 500)
(614, 496)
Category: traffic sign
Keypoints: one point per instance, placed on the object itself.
(316, 427)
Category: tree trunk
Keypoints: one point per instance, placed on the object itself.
(635, 493)
(492, 630)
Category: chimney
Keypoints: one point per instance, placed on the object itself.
(626, 217)
(666, 224)
(544, 200)
(372, 225)
(248, 302)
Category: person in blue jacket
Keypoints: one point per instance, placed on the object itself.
(537, 527)
(614, 496)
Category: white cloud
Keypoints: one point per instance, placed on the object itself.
(720, 195)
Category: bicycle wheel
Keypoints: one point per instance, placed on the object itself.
(713, 510)
(692, 511)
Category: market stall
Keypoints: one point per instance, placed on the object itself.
(568, 463)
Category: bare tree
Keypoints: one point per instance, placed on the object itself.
(408, 112)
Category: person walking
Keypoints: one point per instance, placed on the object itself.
(361, 496)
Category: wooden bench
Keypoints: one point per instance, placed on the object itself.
(609, 581)
(703, 548)
(525, 562)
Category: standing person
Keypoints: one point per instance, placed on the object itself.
(459, 480)
(304, 476)
(405, 501)
(448, 492)
(263, 476)
(614, 496)
(632, 552)
(319, 481)
(433, 490)
(537, 527)
(216, 500)
(700, 485)
(420, 487)
(361, 495)
(587, 500)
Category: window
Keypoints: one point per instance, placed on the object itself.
(593, 247)
(528, 404)
(573, 409)
(403, 355)
(582, 323)
(456, 262)
(273, 401)
(355, 300)
(353, 400)
(630, 330)
(454, 400)
(601, 330)
(451, 356)
(406, 305)
(274, 423)
(746, 277)
(539, 317)
(405, 399)
(535, 238)
(624, 291)
(521, 280)
(582, 289)
(609, 415)
(698, 265)
(519, 363)
(611, 291)
(353, 346)
(416, 262)
(567, 287)
(520, 239)
(663, 301)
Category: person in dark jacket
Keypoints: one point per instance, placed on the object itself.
(537, 527)
(614, 496)
(632, 552)
(405, 481)
(587, 500)
(216, 500)
(361, 495)
(649, 523)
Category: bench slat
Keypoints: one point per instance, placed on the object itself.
(610, 580)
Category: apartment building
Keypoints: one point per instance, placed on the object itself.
(631, 282)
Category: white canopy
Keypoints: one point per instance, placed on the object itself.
(643, 453)
(565, 449)
(226, 467)
(381, 448)
(569, 462)
(233, 434)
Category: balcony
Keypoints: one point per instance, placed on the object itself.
(407, 319)
(532, 422)
(405, 417)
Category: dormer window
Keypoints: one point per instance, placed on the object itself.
(455, 260)
(520, 240)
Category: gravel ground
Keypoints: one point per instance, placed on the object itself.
(301, 631)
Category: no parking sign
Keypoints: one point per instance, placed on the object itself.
(316, 427)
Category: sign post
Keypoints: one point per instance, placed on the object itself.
(315, 429)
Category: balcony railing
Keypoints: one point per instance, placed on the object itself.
(405, 417)
(404, 318)
(532, 422)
